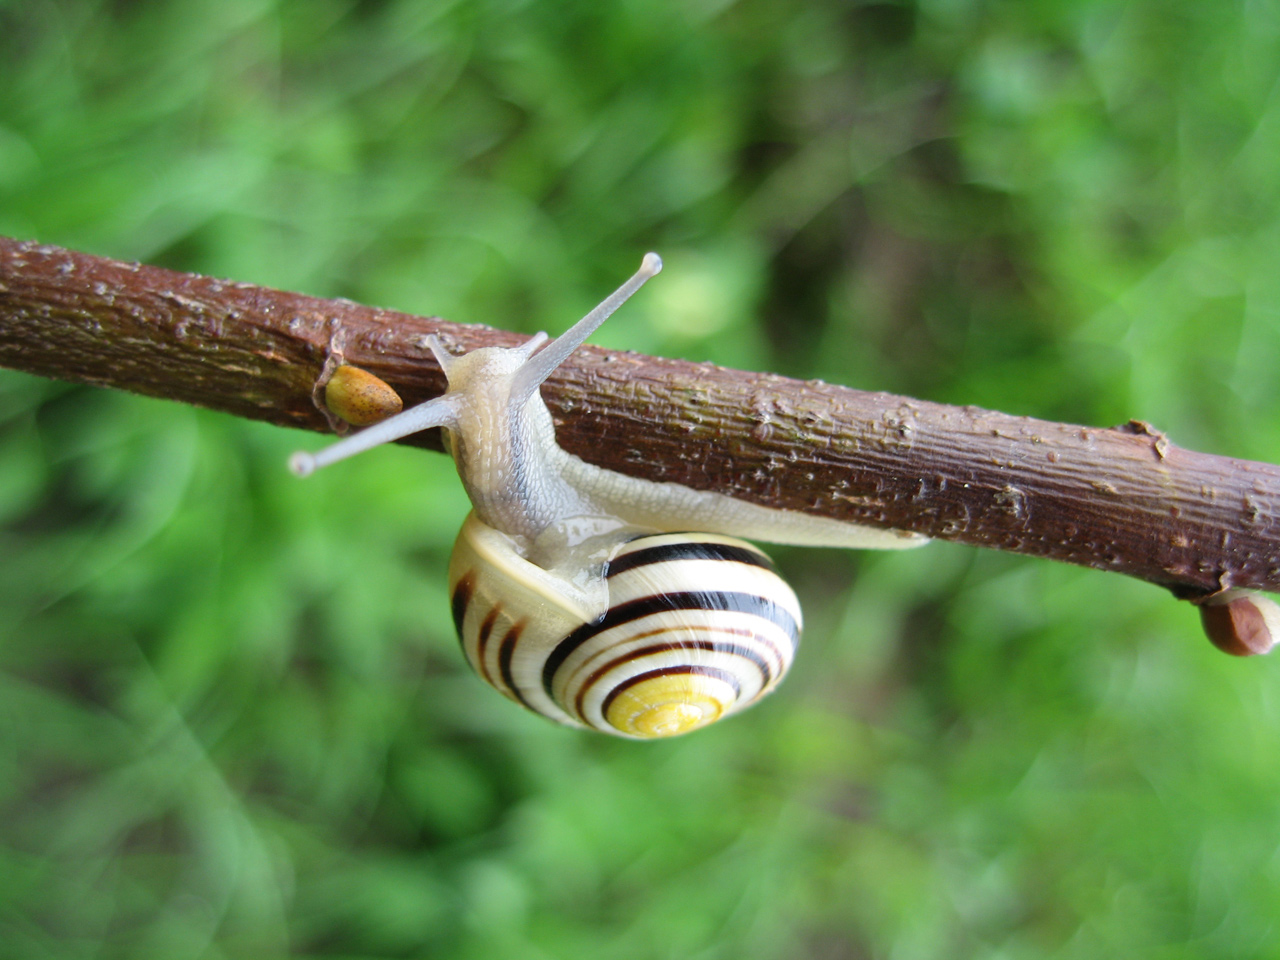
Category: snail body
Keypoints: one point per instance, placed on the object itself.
(575, 590)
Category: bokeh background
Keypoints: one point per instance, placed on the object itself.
(234, 721)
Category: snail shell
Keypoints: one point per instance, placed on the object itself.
(696, 627)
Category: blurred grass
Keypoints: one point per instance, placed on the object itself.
(233, 720)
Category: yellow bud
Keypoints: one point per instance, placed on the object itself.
(360, 398)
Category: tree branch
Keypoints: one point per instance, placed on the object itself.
(1122, 499)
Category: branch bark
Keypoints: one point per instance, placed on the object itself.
(1122, 499)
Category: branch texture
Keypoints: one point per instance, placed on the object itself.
(1122, 499)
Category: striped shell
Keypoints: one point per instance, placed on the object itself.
(698, 626)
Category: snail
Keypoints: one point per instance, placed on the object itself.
(575, 590)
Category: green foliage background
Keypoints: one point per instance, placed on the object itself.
(233, 718)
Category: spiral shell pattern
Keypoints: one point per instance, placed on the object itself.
(698, 626)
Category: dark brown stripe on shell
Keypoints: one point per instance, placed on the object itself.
(688, 550)
(482, 639)
(763, 639)
(712, 646)
(627, 684)
(761, 607)
(461, 598)
(506, 650)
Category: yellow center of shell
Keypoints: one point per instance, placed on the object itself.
(669, 706)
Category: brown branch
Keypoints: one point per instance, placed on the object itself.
(1121, 499)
